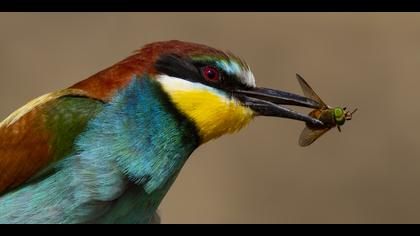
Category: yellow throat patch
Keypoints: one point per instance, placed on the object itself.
(213, 113)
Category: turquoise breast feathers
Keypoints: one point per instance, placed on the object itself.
(121, 166)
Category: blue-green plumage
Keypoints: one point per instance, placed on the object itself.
(107, 149)
(121, 165)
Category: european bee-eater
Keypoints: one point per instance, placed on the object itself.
(107, 149)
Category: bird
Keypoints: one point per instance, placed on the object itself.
(107, 149)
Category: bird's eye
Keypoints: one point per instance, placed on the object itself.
(211, 74)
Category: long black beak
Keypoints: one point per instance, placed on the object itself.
(266, 102)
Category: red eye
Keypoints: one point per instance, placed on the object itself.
(211, 74)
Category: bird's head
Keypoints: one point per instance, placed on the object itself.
(214, 89)
(217, 90)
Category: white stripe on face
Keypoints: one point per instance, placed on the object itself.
(233, 68)
(171, 83)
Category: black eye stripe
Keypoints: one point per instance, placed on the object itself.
(175, 66)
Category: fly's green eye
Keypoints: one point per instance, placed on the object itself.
(339, 116)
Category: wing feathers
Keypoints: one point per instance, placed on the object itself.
(41, 132)
(15, 116)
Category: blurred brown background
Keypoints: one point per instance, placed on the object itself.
(370, 173)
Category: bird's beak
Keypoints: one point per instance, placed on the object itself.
(266, 102)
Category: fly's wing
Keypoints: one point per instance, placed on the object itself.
(309, 92)
(41, 133)
(308, 135)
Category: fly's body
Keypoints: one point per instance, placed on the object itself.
(330, 117)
